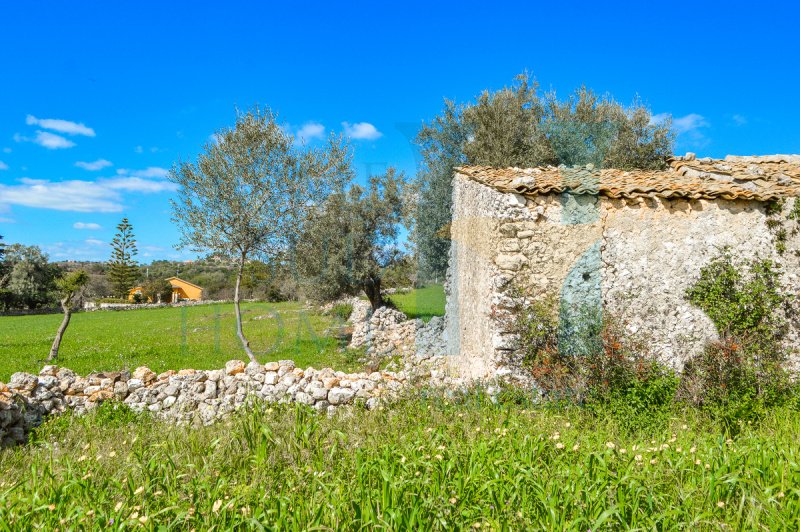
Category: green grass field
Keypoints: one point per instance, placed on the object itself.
(201, 337)
(423, 464)
(423, 303)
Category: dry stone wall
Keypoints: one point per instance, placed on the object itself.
(636, 257)
(188, 396)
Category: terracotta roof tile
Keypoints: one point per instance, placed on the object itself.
(760, 178)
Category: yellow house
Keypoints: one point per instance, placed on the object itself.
(181, 290)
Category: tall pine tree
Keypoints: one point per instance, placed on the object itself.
(123, 271)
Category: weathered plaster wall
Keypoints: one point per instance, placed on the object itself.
(632, 258)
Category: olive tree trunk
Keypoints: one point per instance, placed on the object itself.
(66, 305)
(373, 290)
(238, 312)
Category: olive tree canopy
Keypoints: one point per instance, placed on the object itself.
(247, 193)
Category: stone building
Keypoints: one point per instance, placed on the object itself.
(627, 243)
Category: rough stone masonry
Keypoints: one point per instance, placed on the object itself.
(628, 243)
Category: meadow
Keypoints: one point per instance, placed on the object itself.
(199, 337)
(428, 462)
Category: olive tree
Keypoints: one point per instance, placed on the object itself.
(351, 238)
(68, 286)
(248, 192)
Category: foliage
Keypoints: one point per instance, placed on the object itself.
(29, 279)
(157, 290)
(342, 311)
(517, 126)
(612, 372)
(68, 286)
(427, 463)
(351, 239)
(122, 269)
(743, 373)
(402, 273)
(249, 191)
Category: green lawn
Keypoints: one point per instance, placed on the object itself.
(423, 303)
(424, 464)
(201, 337)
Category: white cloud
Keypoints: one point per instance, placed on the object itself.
(94, 242)
(137, 184)
(103, 195)
(3, 166)
(739, 120)
(51, 141)
(6, 150)
(149, 172)
(310, 131)
(690, 122)
(138, 149)
(361, 131)
(93, 166)
(83, 225)
(62, 126)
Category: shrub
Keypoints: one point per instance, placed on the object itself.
(743, 373)
(342, 311)
(590, 359)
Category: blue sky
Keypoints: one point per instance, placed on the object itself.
(97, 100)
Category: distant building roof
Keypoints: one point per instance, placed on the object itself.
(760, 178)
(182, 281)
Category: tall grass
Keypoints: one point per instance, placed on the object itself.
(426, 463)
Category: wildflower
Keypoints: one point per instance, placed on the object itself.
(623, 451)
(439, 457)
(575, 447)
(402, 459)
(51, 507)
(86, 476)
(429, 430)
(693, 449)
(245, 510)
(697, 462)
(81, 458)
(679, 449)
(559, 445)
(638, 457)
(441, 448)
(217, 506)
(416, 474)
(135, 515)
(90, 513)
(453, 500)
(684, 427)
(139, 490)
(112, 454)
(86, 447)
(720, 504)
(158, 493)
(568, 424)
(118, 506)
(653, 461)
(99, 456)
(708, 466)
(555, 436)
(610, 445)
(143, 519)
(781, 495)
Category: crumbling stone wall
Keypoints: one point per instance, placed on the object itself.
(634, 258)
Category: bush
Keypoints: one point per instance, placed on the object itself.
(736, 378)
(590, 359)
(342, 311)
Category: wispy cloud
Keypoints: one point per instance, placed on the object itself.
(83, 225)
(103, 195)
(51, 141)
(93, 166)
(94, 242)
(3, 166)
(361, 131)
(6, 150)
(149, 172)
(62, 126)
(310, 131)
(690, 122)
(739, 120)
